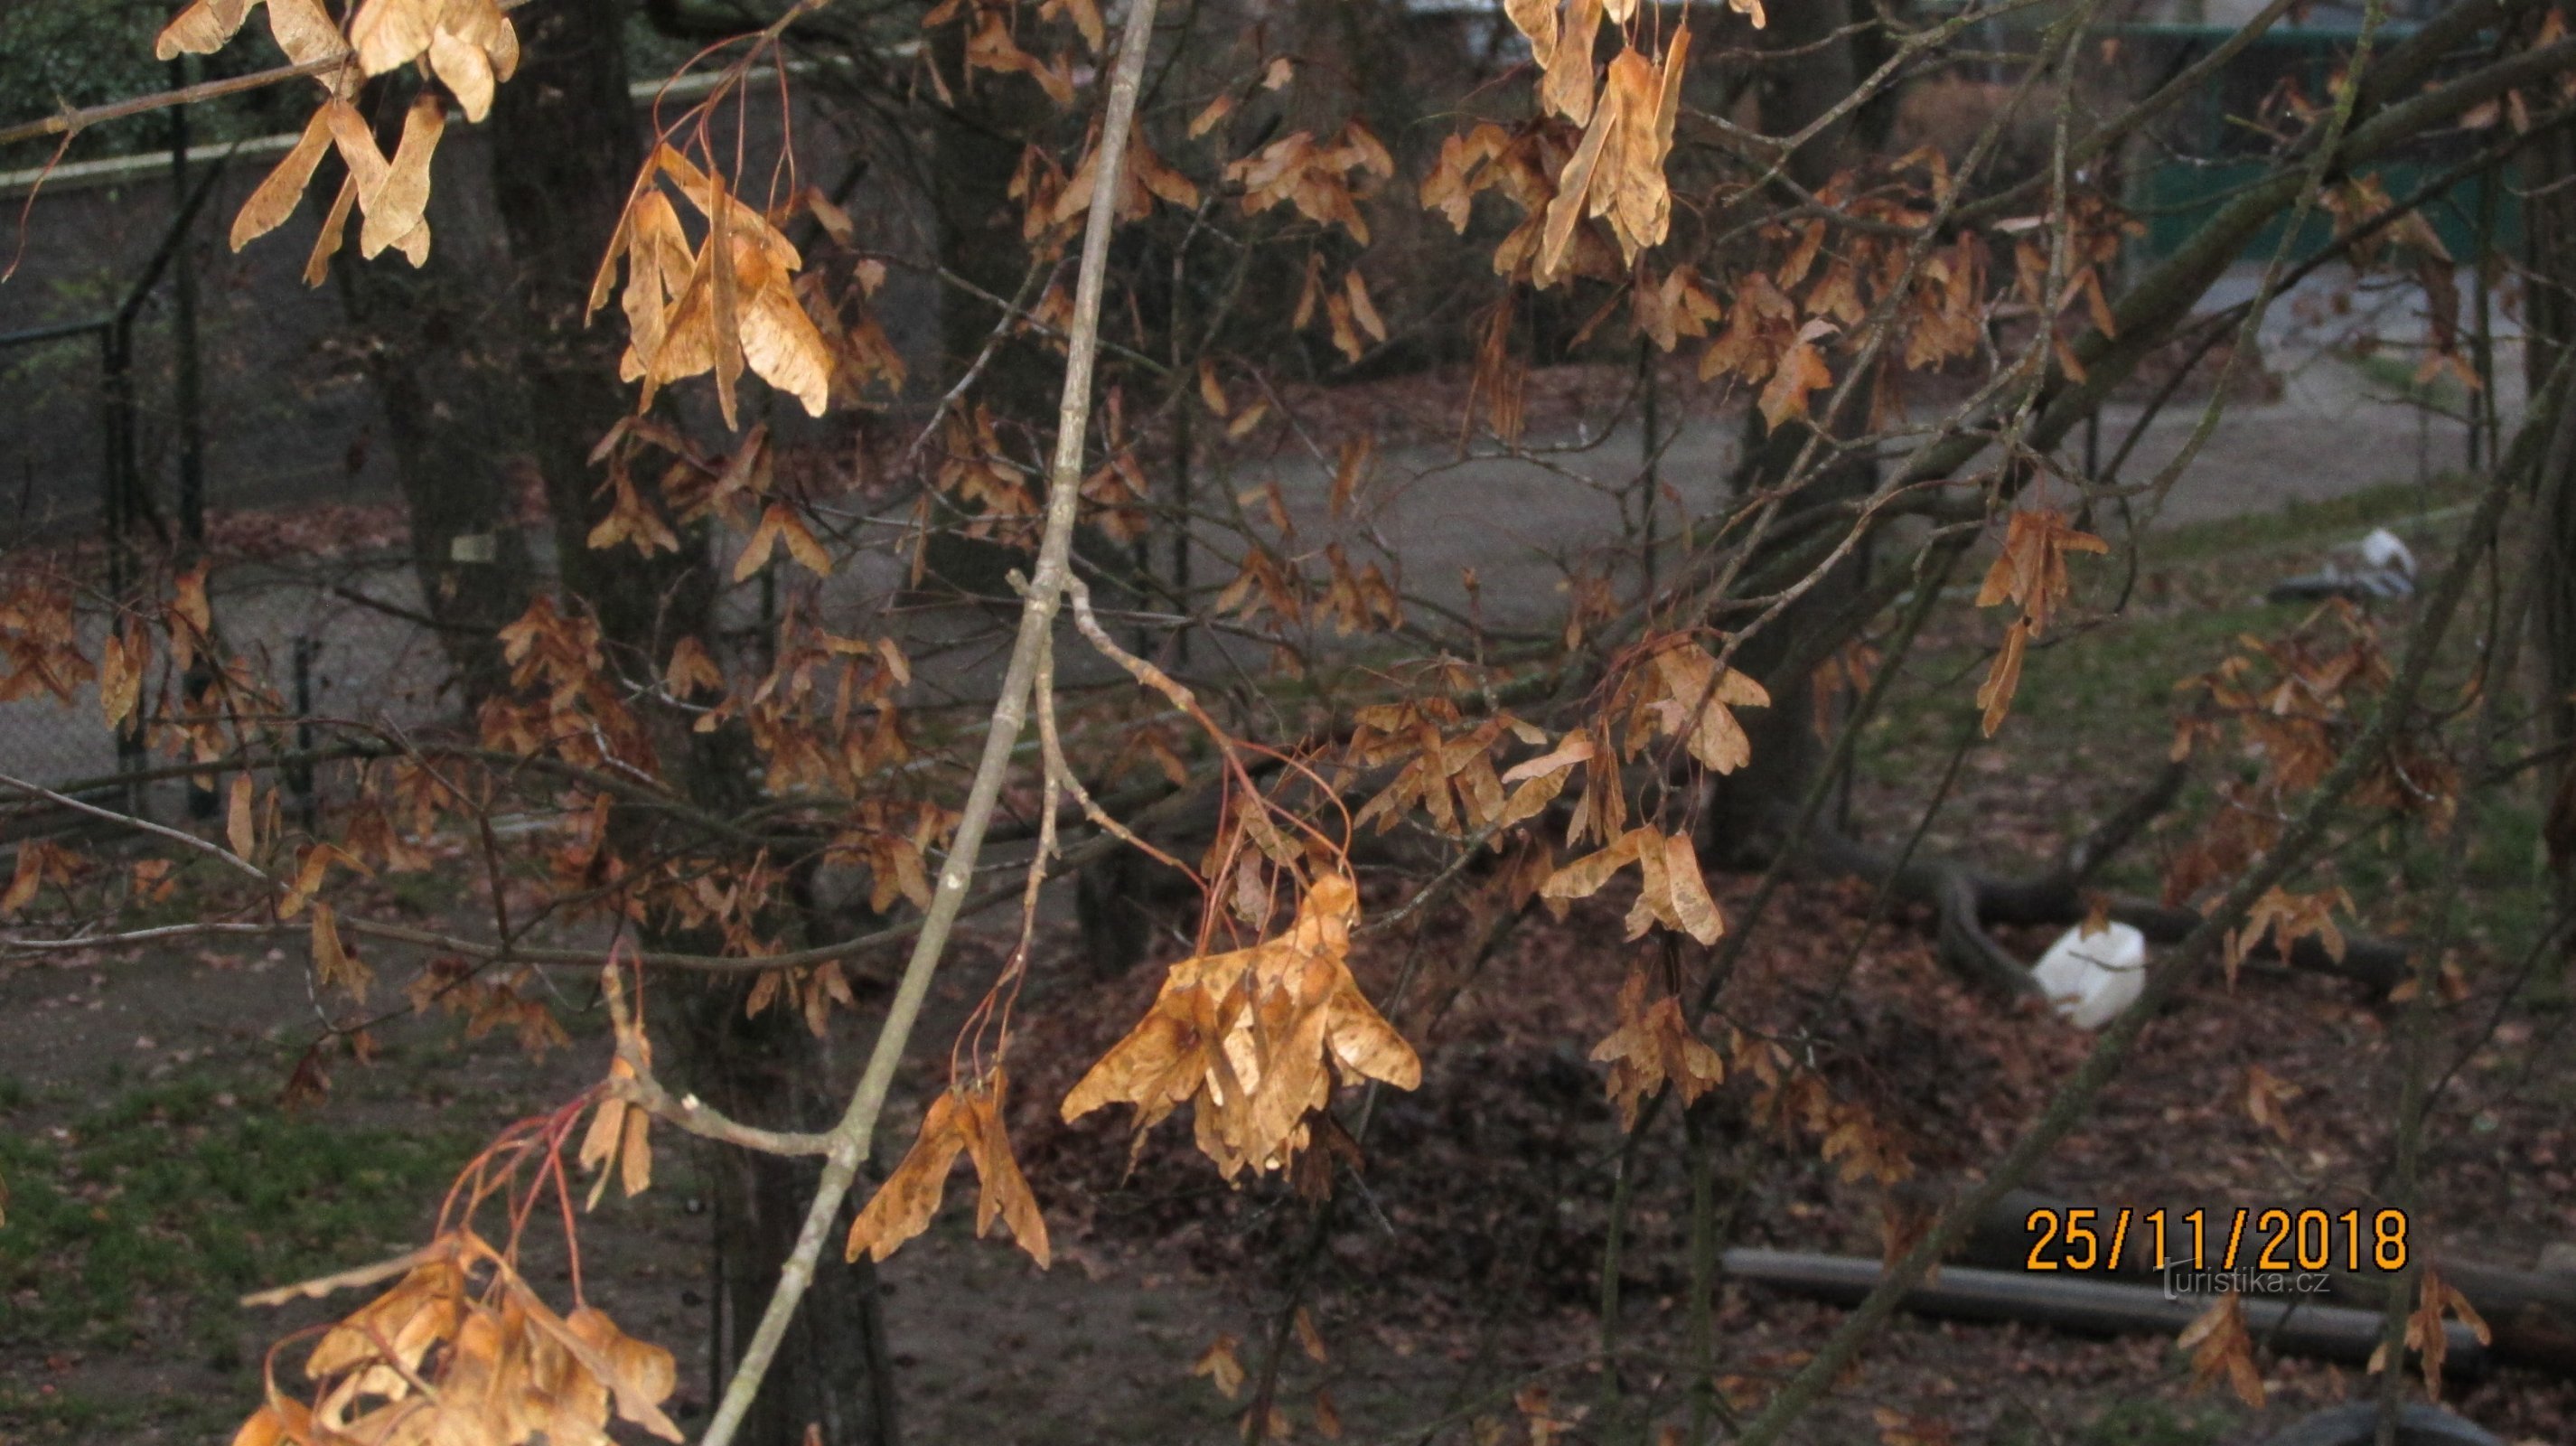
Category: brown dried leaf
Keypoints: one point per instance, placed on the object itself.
(2003, 679)
(1223, 1369)
(202, 29)
(1004, 1192)
(283, 189)
(2221, 1348)
(1364, 310)
(904, 1204)
(1567, 87)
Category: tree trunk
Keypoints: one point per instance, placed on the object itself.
(1786, 748)
(977, 147)
(832, 1371)
(2549, 329)
(566, 157)
(440, 351)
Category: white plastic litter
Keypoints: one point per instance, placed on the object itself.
(2092, 977)
(2387, 552)
(2379, 566)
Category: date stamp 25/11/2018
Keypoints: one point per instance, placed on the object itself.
(2249, 1250)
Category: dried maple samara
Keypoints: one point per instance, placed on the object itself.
(1253, 1038)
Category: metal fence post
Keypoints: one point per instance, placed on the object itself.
(300, 776)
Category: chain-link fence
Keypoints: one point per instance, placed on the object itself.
(161, 397)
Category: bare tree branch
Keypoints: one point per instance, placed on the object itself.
(851, 1136)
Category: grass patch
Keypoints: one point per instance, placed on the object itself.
(2395, 375)
(2154, 1423)
(2324, 522)
(139, 1226)
(69, 1414)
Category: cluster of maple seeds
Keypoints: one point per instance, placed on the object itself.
(1617, 170)
(1779, 317)
(461, 1350)
(2291, 703)
(1253, 1039)
(726, 304)
(2029, 573)
(467, 45)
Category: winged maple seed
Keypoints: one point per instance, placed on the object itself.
(1651, 1047)
(39, 642)
(39, 864)
(1896, 1428)
(722, 304)
(965, 1119)
(1222, 1367)
(2287, 918)
(2030, 572)
(301, 28)
(467, 45)
(1765, 342)
(1618, 170)
(461, 1349)
(2267, 1095)
(1254, 1039)
(2425, 1333)
(1673, 894)
(1452, 779)
(391, 195)
(1683, 694)
(2221, 1348)
(1317, 179)
(2092, 236)
(991, 46)
(1142, 179)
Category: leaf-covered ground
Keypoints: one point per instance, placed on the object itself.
(154, 1178)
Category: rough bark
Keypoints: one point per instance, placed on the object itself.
(440, 345)
(832, 1371)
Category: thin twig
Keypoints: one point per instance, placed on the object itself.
(851, 1136)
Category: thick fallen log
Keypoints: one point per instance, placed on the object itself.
(2291, 1325)
(2531, 1313)
(2357, 1424)
(1966, 903)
